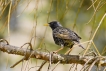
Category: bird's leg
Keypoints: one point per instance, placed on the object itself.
(58, 50)
(68, 51)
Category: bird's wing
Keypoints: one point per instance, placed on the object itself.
(65, 33)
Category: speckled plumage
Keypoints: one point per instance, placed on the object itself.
(63, 36)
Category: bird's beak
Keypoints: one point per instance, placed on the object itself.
(46, 24)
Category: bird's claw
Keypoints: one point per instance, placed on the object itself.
(55, 52)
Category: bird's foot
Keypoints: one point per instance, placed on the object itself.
(55, 52)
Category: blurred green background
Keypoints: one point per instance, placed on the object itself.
(29, 16)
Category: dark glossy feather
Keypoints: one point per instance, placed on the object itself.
(65, 33)
(63, 36)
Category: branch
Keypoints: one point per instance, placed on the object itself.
(66, 59)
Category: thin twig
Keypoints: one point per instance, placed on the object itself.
(1, 40)
(56, 65)
(101, 5)
(93, 64)
(77, 13)
(22, 65)
(8, 22)
(29, 45)
(44, 62)
(85, 64)
(17, 62)
(95, 33)
(103, 51)
(104, 69)
(76, 46)
(94, 13)
(9, 19)
(87, 67)
(92, 5)
(24, 58)
(76, 67)
(27, 65)
(25, 8)
(49, 67)
(91, 52)
(81, 43)
(71, 67)
(49, 10)
(33, 67)
(96, 49)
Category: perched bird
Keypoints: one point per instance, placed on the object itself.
(63, 37)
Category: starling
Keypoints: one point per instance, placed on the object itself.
(63, 37)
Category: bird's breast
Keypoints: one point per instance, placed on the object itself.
(64, 42)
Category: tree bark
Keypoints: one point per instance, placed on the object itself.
(66, 59)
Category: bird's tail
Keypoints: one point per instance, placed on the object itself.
(81, 47)
(79, 44)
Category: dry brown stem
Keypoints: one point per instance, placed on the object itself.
(66, 59)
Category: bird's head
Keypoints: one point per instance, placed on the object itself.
(53, 24)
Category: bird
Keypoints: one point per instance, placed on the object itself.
(63, 37)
